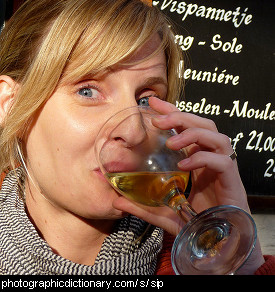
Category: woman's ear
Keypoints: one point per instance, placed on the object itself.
(8, 89)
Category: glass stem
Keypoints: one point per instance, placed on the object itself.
(181, 206)
(186, 212)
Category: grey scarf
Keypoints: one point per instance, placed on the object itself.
(23, 251)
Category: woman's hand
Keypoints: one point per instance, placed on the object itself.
(215, 176)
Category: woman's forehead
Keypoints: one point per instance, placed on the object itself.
(150, 56)
(146, 50)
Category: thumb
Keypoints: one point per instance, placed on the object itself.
(163, 217)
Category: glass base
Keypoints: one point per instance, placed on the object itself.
(215, 242)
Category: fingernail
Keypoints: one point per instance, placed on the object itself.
(184, 162)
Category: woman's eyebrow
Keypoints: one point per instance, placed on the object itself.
(153, 81)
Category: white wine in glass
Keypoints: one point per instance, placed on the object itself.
(149, 188)
(133, 156)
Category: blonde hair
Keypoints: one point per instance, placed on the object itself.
(51, 40)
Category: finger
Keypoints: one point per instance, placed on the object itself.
(220, 170)
(204, 138)
(224, 171)
(161, 106)
(182, 121)
(218, 163)
(175, 118)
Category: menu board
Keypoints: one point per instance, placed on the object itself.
(229, 77)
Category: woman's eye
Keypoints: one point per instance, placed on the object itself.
(88, 92)
(144, 101)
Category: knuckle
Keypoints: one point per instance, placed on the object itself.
(228, 162)
(211, 125)
(225, 140)
(198, 158)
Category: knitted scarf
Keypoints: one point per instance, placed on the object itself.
(23, 251)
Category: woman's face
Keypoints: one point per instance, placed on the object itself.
(60, 142)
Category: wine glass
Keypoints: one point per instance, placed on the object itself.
(133, 156)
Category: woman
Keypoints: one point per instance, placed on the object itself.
(66, 66)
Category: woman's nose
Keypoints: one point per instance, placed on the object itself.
(130, 129)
